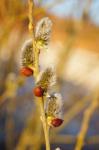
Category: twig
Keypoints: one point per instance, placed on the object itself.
(36, 72)
(85, 123)
(45, 126)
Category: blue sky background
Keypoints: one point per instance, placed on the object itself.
(72, 8)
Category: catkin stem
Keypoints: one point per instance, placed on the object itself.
(36, 72)
(45, 126)
(87, 116)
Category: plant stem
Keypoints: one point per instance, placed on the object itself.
(44, 123)
(36, 73)
(85, 123)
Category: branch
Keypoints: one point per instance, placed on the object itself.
(36, 73)
(85, 123)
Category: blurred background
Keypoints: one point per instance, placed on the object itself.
(74, 50)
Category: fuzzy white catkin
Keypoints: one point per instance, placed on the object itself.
(26, 55)
(47, 78)
(54, 105)
(58, 148)
(43, 30)
(59, 102)
(59, 99)
(43, 27)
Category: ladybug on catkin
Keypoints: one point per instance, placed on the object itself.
(26, 71)
(56, 122)
(38, 91)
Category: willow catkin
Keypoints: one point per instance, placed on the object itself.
(26, 55)
(54, 105)
(43, 31)
(47, 78)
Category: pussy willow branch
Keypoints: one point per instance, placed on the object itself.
(36, 72)
(85, 123)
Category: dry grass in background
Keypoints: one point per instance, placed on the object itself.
(74, 50)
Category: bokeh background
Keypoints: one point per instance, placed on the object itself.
(74, 50)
